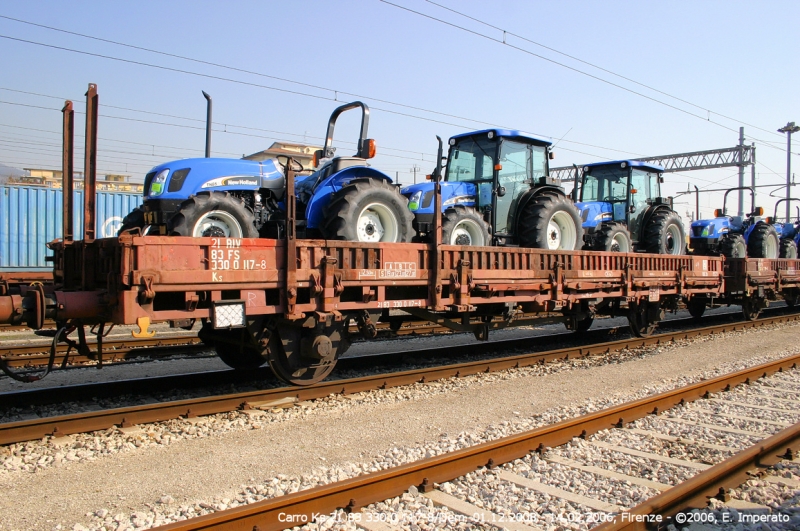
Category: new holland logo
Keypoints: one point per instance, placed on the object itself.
(231, 181)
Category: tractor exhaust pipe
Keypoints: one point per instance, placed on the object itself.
(208, 124)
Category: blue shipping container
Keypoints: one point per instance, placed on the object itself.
(30, 216)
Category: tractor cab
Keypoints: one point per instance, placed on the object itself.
(622, 209)
(491, 178)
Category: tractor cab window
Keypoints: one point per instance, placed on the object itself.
(471, 160)
(607, 184)
(519, 165)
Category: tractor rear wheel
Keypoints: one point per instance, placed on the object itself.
(733, 246)
(788, 249)
(550, 221)
(213, 214)
(613, 237)
(763, 242)
(368, 210)
(664, 234)
(464, 226)
(134, 220)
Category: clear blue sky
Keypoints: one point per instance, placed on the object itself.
(730, 59)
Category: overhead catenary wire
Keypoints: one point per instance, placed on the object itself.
(593, 65)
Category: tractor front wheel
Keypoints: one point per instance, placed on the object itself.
(613, 237)
(733, 246)
(763, 242)
(213, 214)
(464, 226)
(788, 249)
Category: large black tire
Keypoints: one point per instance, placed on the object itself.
(134, 220)
(664, 234)
(788, 249)
(368, 210)
(763, 242)
(550, 221)
(463, 226)
(733, 246)
(213, 214)
(234, 347)
(696, 307)
(613, 237)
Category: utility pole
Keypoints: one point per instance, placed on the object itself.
(789, 129)
(415, 169)
(741, 172)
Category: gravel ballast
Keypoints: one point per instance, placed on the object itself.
(184, 468)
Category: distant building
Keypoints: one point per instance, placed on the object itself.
(302, 153)
(54, 179)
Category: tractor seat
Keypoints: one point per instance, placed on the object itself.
(340, 163)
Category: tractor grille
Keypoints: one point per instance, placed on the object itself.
(147, 180)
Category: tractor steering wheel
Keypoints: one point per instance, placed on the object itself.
(296, 167)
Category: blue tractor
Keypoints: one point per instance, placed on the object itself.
(622, 209)
(735, 236)
(497, 191)
(344, 199)
(789, 232)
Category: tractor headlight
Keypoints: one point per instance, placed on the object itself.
(157, 184)
(708, 230)
(413, 201)
(603, 216)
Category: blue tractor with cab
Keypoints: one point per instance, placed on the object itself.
(622, 209)
(496, 190)
(735, 236)
(344, 199)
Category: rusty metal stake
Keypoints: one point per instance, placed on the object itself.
(67, 169)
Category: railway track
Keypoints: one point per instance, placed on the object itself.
(282, 396)
(129, 349)
(478, 485)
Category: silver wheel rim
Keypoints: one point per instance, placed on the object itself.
(739, 250)
(377, 223)
(216, 222)
(772, 247)
(620, 244)
(467, 232)
(561, 232)
(673, 243)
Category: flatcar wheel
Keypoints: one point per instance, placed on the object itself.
(696, 307)
(640, 322)
(751, 308)
(302, 356)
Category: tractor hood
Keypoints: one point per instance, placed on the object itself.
(180, 179)
(710, 228)
(593, 213)
(420, 196)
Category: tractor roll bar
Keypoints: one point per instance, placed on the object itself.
(363, 147)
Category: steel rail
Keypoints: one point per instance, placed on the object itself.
(694, 493)
(113, 350)
(127, 416)
(127, 349)
(354, 493)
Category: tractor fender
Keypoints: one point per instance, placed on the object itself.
(318, 204)
(528, 196)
